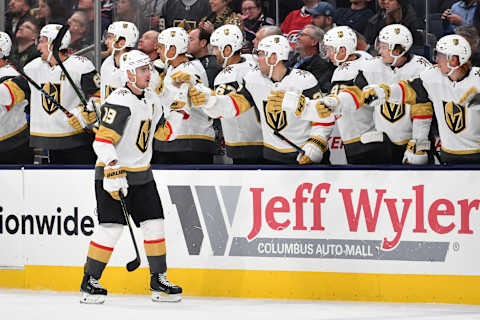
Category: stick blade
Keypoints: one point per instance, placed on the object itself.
(133, 265)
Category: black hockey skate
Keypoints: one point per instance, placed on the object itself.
(92, 291)
(163, 290)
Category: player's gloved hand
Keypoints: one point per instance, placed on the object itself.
(159, 65)
(274, 101)
(416, 152)
(115, 180)
(81, 117)
(164, 131)
(289, 101)
(200, 95)
(375, 94)
(180, 78)
(332, 103)
(313, 154)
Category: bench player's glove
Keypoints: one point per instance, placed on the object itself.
(416, 152)
(115, 180)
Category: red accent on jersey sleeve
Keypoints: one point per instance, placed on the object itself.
(403, 92)
(103, 140)
(171, 130)
(354, 98)
(236, 107)
(327, 124)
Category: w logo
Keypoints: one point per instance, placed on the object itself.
(206, 207)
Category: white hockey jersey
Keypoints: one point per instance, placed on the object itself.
(128, 122)
(243, 134)
(49, 127)
(394, 119)
(13, 124)
(458, 125)
(111, 78)
(195, 133)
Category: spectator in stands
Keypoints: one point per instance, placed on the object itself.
(148, 44)
(362, 44)
(323, 16)
(396, 11)
(130, 10)
(296, 20)
(184, 14)
(307, 56)
(198, 48)
(78, 31)
(18, 11)
(51, 11)
(152, 11)
(87, 6)
(470, 33)
(221, 14)
(461, 12)
(476, 19)
(356, 17)
(253, 20)
(24, 49)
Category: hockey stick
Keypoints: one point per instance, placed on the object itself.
(56, 46)
(37, 86)
(281, 136)
(134, 264)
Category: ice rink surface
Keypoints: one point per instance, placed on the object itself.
(42, 305)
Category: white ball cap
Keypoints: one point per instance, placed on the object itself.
(50, 31)
(5, 45)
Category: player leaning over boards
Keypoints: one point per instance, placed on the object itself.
(272, 74)
(14, 147)
(453, 87)
(121, 37)
(50, 128)
(123, 144)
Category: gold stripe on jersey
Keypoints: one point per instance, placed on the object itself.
(461, 151)
(195, 136)
(13, 133)
(288, 150)
(241, 144)
(351, 140)
(241, 103)
(421, 110)
(139, 169)
(155, 248)
(108, 134)
(55, 135)
(18, 95)
(410, 96)
(470, 92)
(401, 143)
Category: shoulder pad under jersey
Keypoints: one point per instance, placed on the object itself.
(300, 79)
(121, 96)
(347, 71)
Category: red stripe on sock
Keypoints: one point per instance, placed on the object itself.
(100, 246)
(154, 241)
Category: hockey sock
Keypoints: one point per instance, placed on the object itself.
(101, 248)
(154, 243)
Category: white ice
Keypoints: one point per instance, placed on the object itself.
(42, 305)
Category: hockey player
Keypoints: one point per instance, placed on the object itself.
(121, 37)
(452, 87)
(14, 147)
(277, 125)
(50, 128)
(243, 134)
(362, 144)
(195, 140)
(123, 144)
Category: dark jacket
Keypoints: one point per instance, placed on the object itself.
(9, 29)
(212, 68)
(378, 21)
(355, 19)
(321, 69)
(21, 59)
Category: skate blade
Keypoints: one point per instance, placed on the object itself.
(164, 297)
(92, 299)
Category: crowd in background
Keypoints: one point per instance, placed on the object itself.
(303, 22)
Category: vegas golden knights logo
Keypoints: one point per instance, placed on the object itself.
(144, 135)
(393, 112)
(108, 91)
(53, 89)
(340, 34)
(275, 120)
(454, 116)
